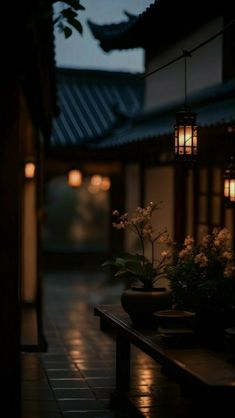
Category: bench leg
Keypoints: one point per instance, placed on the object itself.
(122, 370)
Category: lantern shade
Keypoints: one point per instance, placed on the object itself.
(186, 135)
(229, 184)
(74, 178)
(29, 170)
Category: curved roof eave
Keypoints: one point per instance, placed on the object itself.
(214, 108)
(115, 36)
(123, 35)
(156, 26)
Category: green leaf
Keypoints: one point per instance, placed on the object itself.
(75, 4)
(135, 267)
(122, 272)
(67, 32)
(56, 20)
(107, 263)
(68, 13)
(112, 262)
(149, 270)
(76, 24)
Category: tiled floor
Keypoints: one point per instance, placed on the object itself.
(75, 377)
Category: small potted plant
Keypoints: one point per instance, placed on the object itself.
(202, 279)
(144, 296)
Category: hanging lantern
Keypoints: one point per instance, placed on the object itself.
(229, 184)
(186, 135)
(185, 127)
(106, 184)
(74, 178)
(96, 180)
(29, 170)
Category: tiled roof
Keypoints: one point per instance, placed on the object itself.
(214, 106)
(93, 103)
(103, 109)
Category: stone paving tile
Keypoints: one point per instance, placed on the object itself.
(80, 405)
(45, 357)
(100, 382)
(59, 365)
(63, 374)
(68, 383)
(95, 364)
(103, 393)
(98, 372)
(78, 393)
(92, 414)
(41, 414)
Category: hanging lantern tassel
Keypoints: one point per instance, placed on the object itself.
(229, 184)
(186, 136)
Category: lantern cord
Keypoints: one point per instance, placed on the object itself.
(191, 51)
(186, 55)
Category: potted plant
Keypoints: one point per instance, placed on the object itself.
(144, 296)
(202, 279)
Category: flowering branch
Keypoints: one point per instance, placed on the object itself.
(138, 266)
(204, 274)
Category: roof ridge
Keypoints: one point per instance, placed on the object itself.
(72, 71)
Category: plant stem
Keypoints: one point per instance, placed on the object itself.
(152, 245)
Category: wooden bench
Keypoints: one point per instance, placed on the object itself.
(206, 374)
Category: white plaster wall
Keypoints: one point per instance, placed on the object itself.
(204, 68)
(132, 200)
(190, 207)
(160, 188)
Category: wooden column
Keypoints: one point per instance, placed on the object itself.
(9, 253)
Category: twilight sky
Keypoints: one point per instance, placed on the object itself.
(84, 51)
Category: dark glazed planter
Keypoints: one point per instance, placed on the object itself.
(141, 304)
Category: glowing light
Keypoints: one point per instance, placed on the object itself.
(29, 170)
(186, 135)
(229, 183)
(96, 180)
(105, 184)
(74, 178)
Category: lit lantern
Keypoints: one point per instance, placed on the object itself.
(186, 136)
(29, 170)
(106, 184)
(96, 180)
(229, 183)
(185, 127)
(74, 178)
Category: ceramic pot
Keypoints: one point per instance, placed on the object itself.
(141, 304)
(173, 319)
